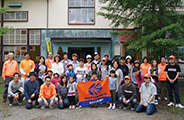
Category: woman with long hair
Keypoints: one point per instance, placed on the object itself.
(41, 70)
(154, 71)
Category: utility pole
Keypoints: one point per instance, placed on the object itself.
(2, 24)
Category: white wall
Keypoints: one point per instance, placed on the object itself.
(58, 15)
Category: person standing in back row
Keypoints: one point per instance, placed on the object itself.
(49, 61)
(145, 65)
(172, 72)
(9, 68)
(26, 66)
(65, 62)
(162, 79)
(96, 58)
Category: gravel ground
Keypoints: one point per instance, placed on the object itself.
(101, 113)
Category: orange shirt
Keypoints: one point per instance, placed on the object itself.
(162, 76)
(145, 67)
(47, 92)
(9, 68)
(27, 66)
(48, 64)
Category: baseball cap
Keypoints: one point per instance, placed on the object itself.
(57, 55)
(171, 57)
(96, 53)
(127, 77)
(136, 62)
(74, 54)
(88, 56)
(147, 76)
(104, 59)
(128, 57)
(106, 55)
(81, 60)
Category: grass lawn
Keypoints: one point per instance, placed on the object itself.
(4, 108)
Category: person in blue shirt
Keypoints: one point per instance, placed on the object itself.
(70, 72)
(31, 91)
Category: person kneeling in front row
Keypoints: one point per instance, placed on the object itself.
(15, 90)
(147, 96)
(31, 89)
(128, 93)
(48, 94)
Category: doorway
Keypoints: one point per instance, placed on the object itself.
(81, 52)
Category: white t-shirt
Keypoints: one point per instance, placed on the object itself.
(57, 68)
(81, 74)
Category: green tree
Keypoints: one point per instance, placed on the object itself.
(4, 30)
(161, 26)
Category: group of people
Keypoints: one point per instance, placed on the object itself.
(54, 81)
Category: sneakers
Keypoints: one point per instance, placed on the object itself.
(19, 103)
(124, 108)
(120, 106)
(51, 107)
(165, 98)
(4, 99)
(114, 106)
(159, 98)
(170, 104)
(37, 106)
(73, 107)
(110, 106)
(10, 105)
(179, 105)
(156, 102)
(43, 107)
(132, 109)
(70, 107)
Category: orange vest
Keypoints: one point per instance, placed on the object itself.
(9, 68)
(48, 64)
(145, 67)
(162, 76)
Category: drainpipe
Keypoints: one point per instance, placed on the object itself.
(2, 24)
(47, 16)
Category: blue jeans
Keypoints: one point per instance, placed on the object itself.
(150, 109)
(40, 100)
(65, 102)
(132, 102)
(118, 96)
(170, 88)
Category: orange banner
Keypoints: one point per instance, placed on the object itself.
(94, 92)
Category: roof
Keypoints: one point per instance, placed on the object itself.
(125, 37)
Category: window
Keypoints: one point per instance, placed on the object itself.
(16, 37)
(34, 37)
(81, 12)
(35, 53)
(18, 51)
(16, 16)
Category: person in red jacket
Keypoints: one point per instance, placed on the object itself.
(162, 79)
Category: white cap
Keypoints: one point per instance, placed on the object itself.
(88, 56)
(96, 53)
(128, 57)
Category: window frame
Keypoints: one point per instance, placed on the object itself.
(20, 45)
(16, 20)
(69, 7)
